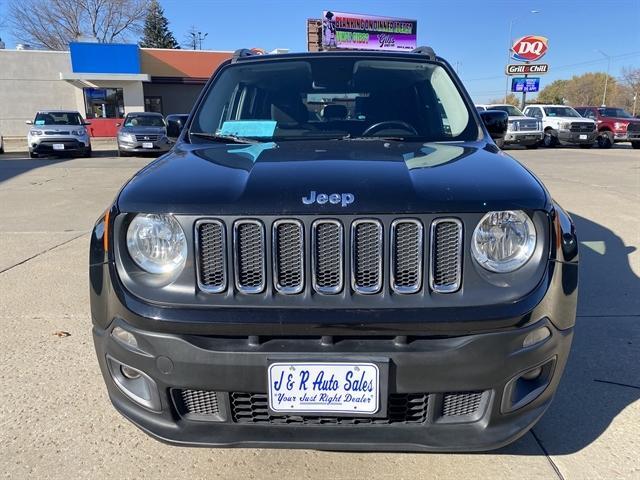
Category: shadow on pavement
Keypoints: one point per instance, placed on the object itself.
(602, 377)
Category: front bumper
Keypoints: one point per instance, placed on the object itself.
(523, 138)
(626, 136)
(50, 145)
(158, 146)
(566, 136)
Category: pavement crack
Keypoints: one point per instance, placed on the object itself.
(22, 262)
(546, 454)
(616, 383)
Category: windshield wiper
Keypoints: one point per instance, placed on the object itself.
(223, 138)
(389, 139)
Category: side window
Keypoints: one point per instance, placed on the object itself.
(588, 113)
(533, 112)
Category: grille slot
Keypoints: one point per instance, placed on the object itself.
(200, 402)
(406, 256)
(327, 256)
(249, 246)
(366, 256)
(211, 256)
(147, 138)
(252, 408)
(288, 256)
(446, 255)
(461, 404)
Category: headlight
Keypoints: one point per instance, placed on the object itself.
(620, 126)
(539, 125)
(78, 133)
(513, 126)
(564, 126)
(157, 243)
(504, 241)
(35, 133)
(127, 137)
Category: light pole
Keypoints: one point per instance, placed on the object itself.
(513, 20)
(606, 80)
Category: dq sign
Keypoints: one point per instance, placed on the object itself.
(530, 48)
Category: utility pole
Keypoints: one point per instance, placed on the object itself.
(606, 80)
(197, 39)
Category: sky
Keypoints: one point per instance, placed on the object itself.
(473, 35)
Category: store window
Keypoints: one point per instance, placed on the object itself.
(104, 102)
(153, 104)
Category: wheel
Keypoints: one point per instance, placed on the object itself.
(500, 143)
(550, 139)
(605, 139)
(635, 145)
(586, 145)
(33, 155)
(532, 147)
(88, 151)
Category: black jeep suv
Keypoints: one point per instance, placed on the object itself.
(334, 255)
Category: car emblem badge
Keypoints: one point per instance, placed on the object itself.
(146, 138)
(344, 199)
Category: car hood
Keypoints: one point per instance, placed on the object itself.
(143, 130)
(521, 117)
(621, 119)
(572, 119)
(383, 177)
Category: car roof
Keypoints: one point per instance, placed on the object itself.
(58, 111)
(418, 54)
(150, 114)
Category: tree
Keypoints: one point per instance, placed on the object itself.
(512, 99)
(156, 33)
(53, 24)
(555, 92)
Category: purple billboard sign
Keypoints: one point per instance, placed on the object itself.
(367, 32)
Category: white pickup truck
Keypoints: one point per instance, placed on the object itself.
(563, 125)
(521, 129)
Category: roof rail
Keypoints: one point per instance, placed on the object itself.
(242, 53)
(426, 51)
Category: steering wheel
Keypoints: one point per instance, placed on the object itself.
(376, 127)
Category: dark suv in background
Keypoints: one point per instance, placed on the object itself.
(335, 255)
(614, 125)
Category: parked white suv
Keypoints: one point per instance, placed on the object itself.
(563, 125)
(521, 130)
(58, 132)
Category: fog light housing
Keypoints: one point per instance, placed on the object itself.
(525, 387)
(536, 336)
(135, 384)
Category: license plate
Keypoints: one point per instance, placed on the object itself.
(147, 145)
(583, 137)
(58, 146)
(347, 388)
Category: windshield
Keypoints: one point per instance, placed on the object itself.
(560, 112)
(614, 112)
(510, 109)
(144, 121)
(334, 98)
(58, 118)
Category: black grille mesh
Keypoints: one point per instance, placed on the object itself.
(583, 126)
(212, 256)
(367, 256)
(407, 255)
(250, 256)
(200, 402)
(328, 257)
(402, 408)
(446, 259)
(459, 404)
(289, 248)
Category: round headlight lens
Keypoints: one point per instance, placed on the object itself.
(157, 243)
(504, 241)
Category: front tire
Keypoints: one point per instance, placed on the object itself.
(531, 147)
(550, 139)
(33, 155)
(586, 145)
(122, 154)
(605, 139)
(500, 143)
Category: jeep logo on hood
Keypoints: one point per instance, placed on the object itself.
(343, 199)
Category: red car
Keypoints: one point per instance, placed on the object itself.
(614, 125)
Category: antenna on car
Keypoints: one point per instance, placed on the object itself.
(426, 51)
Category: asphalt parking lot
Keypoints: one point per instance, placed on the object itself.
(56, 420)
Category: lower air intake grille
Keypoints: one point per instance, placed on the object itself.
(327, 256)
(249, 253)
(366, 256)
(288, 248)
(402, 408)
(200, 402)
(460, 404)
(446, 255)
(212, 268)
(406, 260)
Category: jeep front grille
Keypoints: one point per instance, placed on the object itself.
(406, 256)
(291, 256)
(288, 256)
(327, 256)
(366, 256)
(446, 255)
(249, 250)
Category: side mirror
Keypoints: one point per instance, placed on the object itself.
(496, 122)
(173, 128)
(29, 122)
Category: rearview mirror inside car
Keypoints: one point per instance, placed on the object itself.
(496, 122)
